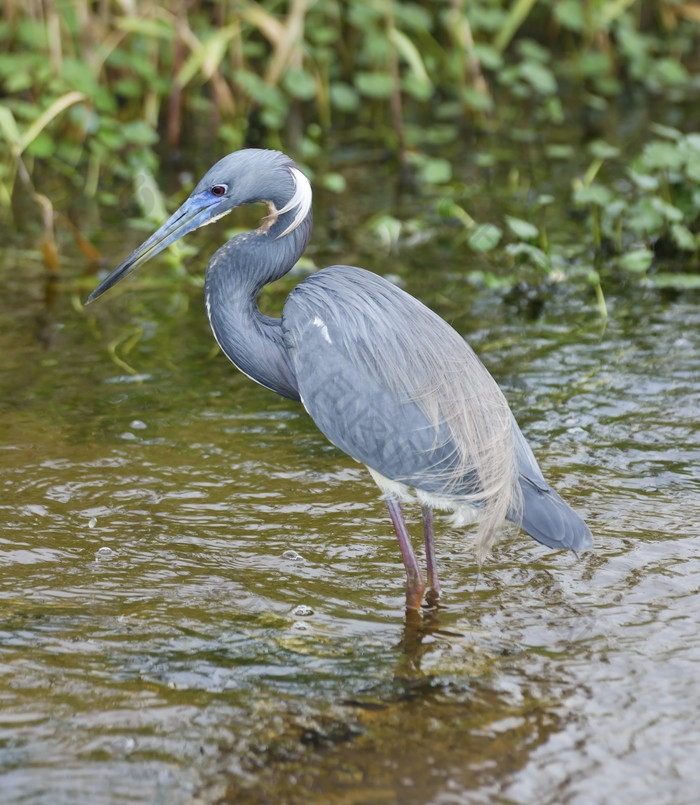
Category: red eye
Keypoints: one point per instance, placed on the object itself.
(219, 190)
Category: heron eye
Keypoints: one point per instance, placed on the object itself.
(219, 190)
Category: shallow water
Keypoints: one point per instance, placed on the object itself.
(202, 600)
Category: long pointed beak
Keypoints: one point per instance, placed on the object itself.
(195, 212)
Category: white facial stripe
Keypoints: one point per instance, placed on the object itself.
(300, 201)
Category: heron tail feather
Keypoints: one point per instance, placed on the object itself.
(551, 521)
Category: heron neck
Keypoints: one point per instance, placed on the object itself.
(252, 341)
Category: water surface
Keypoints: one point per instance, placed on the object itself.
(202, 600)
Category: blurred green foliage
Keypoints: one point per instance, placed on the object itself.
(95, 93)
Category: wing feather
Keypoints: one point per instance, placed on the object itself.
(394, 386)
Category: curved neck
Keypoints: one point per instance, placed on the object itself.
(235, 275)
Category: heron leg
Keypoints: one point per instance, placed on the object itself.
(429, 537)
(415, 586)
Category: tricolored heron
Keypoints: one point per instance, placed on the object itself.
(384, 378)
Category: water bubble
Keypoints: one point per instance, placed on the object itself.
(302, 611)
(137, 424)
(105, 553)
(128, 435)
(300, 626)
(292, 556)
(92, 522)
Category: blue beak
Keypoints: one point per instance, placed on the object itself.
(195, 212)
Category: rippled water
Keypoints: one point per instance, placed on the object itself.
(202, 600)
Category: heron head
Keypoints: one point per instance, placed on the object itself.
(243, 177)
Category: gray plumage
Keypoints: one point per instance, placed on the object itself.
(384, 378)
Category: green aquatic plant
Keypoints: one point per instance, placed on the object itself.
(93, 95)
(650, 210)
(274, 72)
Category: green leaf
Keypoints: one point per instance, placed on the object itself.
(150, 28)
(594, 64)
(602, 150)
(570, 15)
(644, 219)
(665, 131)
(256, 88)
(488, 56)
(374, 85)
(667, 71)
(138, 132)
(205, 59)
(415, 88)
(413, 17)
(614, 209)
(474, 99)
(559, 151)
(685, 282)
(690, 148)
(335, 182)
(273, 117)
(529, 253)
(436, 170)
(539, 76)
(532, 51)
(363, 15)
(77, 77)
(299, 84)
(322, 34)
(594, 194)
(693, 141)
(692, 170)
(8, 126)
(555, 110)
(485, 237)
(644, 181)
(522, 229)
(660, 155)
(111, 138)
(486, 18)
(637, 261)
(683, 238)
(668, 211)
(344, 97)
(128, 87)
(42, 146)
(448, 208)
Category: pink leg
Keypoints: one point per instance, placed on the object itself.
(415, 586)
(429, 537)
